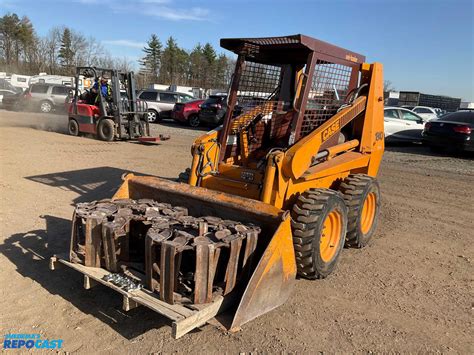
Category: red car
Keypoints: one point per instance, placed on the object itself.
(187, 112)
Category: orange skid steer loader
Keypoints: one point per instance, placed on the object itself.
(277, 191)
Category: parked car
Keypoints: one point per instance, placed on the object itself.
(213, 109)
(13, 102)
(428, 113)
(187, 112)
(402, 125)
(161, 103)
(451, 132)
(5, 93)
(43, 97)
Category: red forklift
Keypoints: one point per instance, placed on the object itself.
(117, 115)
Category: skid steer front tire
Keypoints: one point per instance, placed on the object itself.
(362, 196)
(319, 222)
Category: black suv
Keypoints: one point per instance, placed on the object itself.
(213, 109)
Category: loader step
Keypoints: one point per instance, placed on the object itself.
(184, 318)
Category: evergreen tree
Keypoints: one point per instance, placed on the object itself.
(152, 60)
(209, 57)
(169, 61)
(28, 43)
(22, 51)
(66, 53)
(182, 63)
(195, 66)
(9, 25)
(220, 81)
(18, 43)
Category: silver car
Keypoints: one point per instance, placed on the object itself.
(46, 97)
(161, 103)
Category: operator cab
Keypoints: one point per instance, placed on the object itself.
(285, 87)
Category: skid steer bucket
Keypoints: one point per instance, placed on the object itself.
(247, 273)
(271, 280)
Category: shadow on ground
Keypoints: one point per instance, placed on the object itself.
(30, 252)
(90, 184)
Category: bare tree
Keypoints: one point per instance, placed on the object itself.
(123, 64)
(387, 86)
(52, 44)
(79, 47)
(93, 51)
(105, 61)
(42, 55)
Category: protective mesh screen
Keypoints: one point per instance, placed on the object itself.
(329, 88)
(258, 83)
(257, 96)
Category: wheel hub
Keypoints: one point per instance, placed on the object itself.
(330, 236)
(151, 116)
(368, 213)
(45, 107)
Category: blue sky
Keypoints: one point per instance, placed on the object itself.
(425, 45)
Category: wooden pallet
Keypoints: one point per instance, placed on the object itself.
(185, 318)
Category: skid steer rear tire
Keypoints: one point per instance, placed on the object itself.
(362, 196)
(319, 222)
(106, 130)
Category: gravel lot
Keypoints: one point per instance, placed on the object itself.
(410, 290)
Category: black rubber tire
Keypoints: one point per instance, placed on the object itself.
(106, 130)
(355, 189)
(184, 176)
(193, 121)
(308, 216)
(73, 127)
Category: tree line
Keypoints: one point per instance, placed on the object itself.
(200, 67)
(23, 51)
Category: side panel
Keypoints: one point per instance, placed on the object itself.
(86, 123)
(273, 279)
(88, 128)
(372, 140)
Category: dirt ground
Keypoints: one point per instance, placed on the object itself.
(410, 290)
